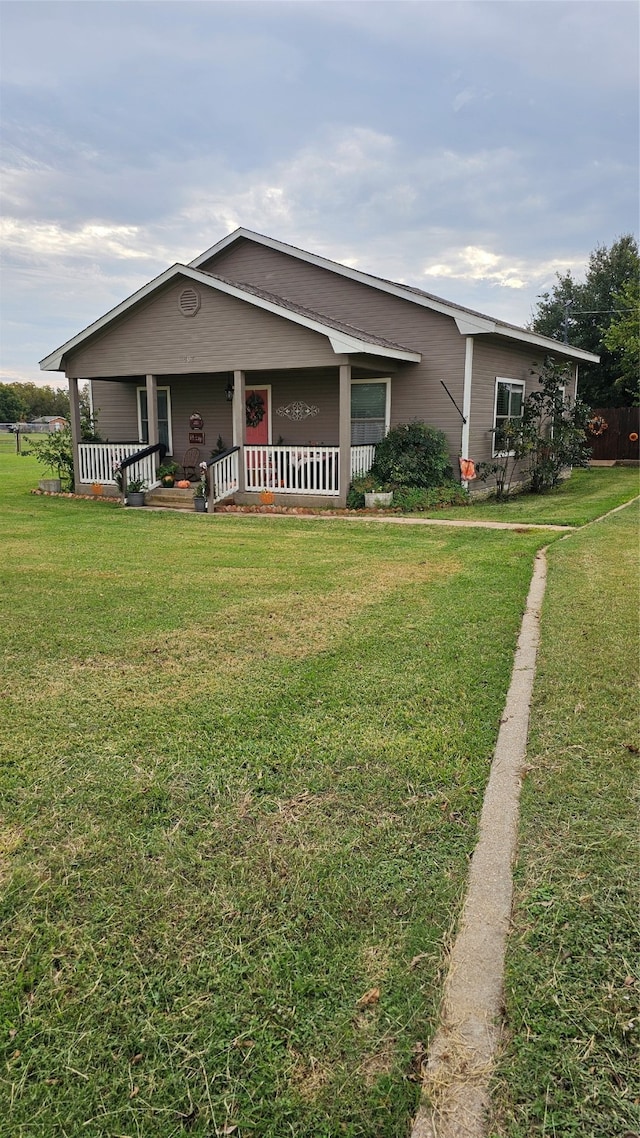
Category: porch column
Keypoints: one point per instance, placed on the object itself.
(76, 430)
(344, 436)
(152, 409)
(238, 413)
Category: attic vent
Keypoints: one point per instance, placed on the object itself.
(189, 302)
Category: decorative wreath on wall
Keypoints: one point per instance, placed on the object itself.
(254, 409)
(597, 425)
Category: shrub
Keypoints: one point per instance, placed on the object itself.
(413, 455)
(413, 499)
(55, 452)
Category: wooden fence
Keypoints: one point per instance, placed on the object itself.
(616, 443)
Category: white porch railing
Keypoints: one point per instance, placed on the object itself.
(311, 470)
(224, 476)
(361, 460)
(293, 469)
(97, 461)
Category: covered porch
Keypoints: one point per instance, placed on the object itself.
(297, 436)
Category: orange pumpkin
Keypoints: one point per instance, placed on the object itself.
(184, 484)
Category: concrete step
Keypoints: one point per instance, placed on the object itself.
(172, 498)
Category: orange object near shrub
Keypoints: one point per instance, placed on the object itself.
(184, 484)
(267, 497)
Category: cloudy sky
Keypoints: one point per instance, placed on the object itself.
(471, 148)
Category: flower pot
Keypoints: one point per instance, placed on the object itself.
(135, 499)
(200, 505)
(50, 485)
(169, 482)
(378, 498)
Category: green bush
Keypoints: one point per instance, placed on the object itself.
(413, 499)
(413, 455)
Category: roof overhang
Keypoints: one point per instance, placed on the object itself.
(468, 323)
(341, 342)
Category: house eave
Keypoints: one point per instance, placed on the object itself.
(468, 323)
(341, 343)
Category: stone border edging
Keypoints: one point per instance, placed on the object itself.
(460, 1059)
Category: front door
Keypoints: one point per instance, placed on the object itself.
(258, 416)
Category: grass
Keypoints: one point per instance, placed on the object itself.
(572, 996)
(586, 495)
(241, 768)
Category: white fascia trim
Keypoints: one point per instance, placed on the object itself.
(550, 345)
(467, 323)
(340, 342)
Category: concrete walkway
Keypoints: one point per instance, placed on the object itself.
(460, 1057)
(391, 519)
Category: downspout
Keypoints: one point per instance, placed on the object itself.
(466, 402)
(344, 434)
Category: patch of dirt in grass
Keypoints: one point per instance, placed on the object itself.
(376, 961)
(378, 1064)
(309, 1076)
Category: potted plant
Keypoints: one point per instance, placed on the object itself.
(166, 473)
(376, 493)
(135, 491)
(200, 493)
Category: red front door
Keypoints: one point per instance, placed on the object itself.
(257, 433)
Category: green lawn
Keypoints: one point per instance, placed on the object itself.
(570, 1068)
(242, 765)
(586, 495)
(241, 769)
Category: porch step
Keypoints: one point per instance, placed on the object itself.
(172, 498)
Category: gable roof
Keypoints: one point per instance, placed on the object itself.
(344, 338)
(468, 321)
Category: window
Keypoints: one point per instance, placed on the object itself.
(508, 405)
(164, 417)
(369, 411)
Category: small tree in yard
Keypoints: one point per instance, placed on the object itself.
(554, 432)
(55, 452)
(548, 438)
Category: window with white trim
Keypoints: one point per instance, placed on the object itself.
(509, 402)
(370, 409)
(163, 395)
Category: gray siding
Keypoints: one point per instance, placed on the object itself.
(495, 357)
(416, 391)
(225, 334)
(116, 409)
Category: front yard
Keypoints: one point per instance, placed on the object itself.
(241, 765)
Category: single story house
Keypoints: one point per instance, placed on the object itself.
(294, 366)
(49, 423)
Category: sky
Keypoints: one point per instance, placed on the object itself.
(470, 147)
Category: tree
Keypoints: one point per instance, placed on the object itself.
(585, 312)
(547, 439)
(55, 452)
(623, 338)
(12, 407)
(36, 401)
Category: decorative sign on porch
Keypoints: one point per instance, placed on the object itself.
(196, 422)
(297, 411)
(196, 437)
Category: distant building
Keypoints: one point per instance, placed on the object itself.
(49, 423)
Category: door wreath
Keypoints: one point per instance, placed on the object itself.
(254, 409)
